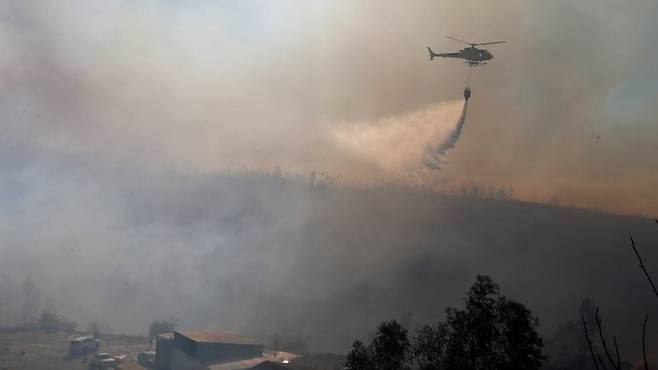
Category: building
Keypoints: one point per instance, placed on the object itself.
(164, 345)
(213, 350)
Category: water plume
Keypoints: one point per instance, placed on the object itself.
(403, 144)
(435, 157)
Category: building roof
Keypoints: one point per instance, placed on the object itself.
(83, 338)
(263, 363)
(266, 362)
(166, 335)
(271, 365)
(216, 336)
(239, 365)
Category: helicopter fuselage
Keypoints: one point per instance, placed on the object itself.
(474, 54)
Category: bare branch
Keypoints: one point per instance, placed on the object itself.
(614, 339)
(601, 362)
(589, 343)
(646, 273)
(599, 324)
(644, 339)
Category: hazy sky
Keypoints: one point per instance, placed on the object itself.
(209, 85)
(115, 114)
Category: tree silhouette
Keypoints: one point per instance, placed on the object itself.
(569, 349)
(616, 362)
(491, 332)
(391, 347)
(48, 322)
(360, 358)
(429, 350)
(158, 327)
(30, 306)
(389, 350)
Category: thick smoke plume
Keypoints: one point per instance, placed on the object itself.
(212, 86)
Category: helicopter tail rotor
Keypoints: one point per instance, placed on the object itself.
(432, 54)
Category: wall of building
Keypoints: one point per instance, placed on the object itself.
(185, 344)
(182, 361)
(183, 353)
(163, 353)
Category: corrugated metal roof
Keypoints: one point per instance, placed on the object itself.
(216, 336)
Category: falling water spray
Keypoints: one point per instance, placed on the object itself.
(434, 158)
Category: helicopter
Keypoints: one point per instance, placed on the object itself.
(472, 55)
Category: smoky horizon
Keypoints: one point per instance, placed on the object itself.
(309, 169)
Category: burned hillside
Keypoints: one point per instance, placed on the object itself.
(263, 254)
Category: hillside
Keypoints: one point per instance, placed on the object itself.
(322, 264)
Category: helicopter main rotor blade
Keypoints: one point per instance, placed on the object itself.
(489, 43)
(462, 41)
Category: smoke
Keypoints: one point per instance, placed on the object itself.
(260, 255)
(122, 122)
(214, 86)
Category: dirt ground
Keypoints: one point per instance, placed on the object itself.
(38, 351)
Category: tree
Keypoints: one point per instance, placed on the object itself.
(30, 306)
(389, 350)
(616, 363)
(491, 332)
(94, 328)
(474, 330)
(359, 358)
(276, 344)
(162, 326)
(430, 347)
(48, 322)
(521, 345)
(568, 348)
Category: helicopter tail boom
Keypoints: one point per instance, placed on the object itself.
(443, 55)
